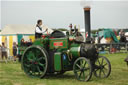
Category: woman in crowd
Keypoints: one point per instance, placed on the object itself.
(4, 51)
(14, 50)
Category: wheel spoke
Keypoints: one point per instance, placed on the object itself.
(40, 58)
(42, 65)
(31, 55)
(86, 68)
(81, 62)
(103, 72)
(33, 70)
(38, 68)
(100, 73)
(84, 64)
(78, 66)
(96, 70)
(102, 61)
(77, 70)
(105, 64)
(83, 74)
(28, 55)
(98, 61)
(29, 59)
(37, 53)
(28, 65)
(80, 74)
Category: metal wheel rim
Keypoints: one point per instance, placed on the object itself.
(82, 69)
(103, 67)
(34, 63)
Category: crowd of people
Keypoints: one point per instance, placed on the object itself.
(4, 50)
(26, 43)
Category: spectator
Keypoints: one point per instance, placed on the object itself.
(123, 38)
(22, 43)
(29, 43)
(4, 52)
(70, 26)
(121, 33)
(14, 50)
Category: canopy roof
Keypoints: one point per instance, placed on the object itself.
(108, 33)
(21, 29)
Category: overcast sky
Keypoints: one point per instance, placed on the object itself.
(55, 14)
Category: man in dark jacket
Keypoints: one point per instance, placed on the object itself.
(123, 38)
(39, 31)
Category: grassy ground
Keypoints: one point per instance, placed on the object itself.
(11, 74)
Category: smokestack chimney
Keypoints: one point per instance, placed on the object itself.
(87, 21)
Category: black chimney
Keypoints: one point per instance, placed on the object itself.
(87, 21)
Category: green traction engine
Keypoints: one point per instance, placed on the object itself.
(58, 52)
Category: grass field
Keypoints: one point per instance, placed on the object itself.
(11, 74)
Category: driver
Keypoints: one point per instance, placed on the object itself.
(39, 31)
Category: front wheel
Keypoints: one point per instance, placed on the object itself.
(102, 67)
(82, 69)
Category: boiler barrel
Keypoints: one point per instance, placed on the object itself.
(84, 50)
(75, 51)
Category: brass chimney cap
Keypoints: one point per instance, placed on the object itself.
(87, 8)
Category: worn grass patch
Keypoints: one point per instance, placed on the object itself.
(11, 74)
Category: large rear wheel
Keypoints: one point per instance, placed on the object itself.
(82, 69)
(34, 61)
